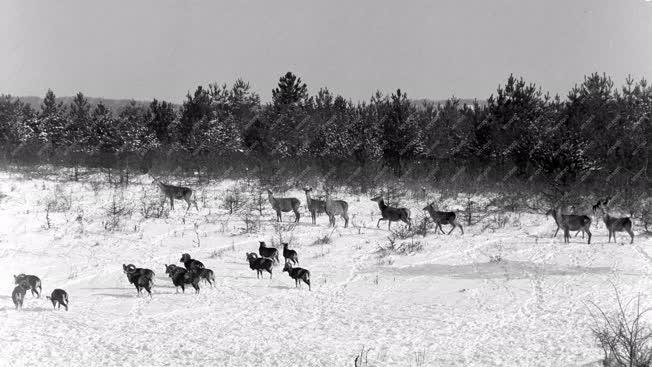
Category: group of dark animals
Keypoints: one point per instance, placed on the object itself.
(25, 282)
(269, 257)
(192, 272)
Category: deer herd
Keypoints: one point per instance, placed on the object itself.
(194, 271)
(332, 208)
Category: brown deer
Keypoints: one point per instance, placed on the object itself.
(336, 207)
(392, 214)
(440, 218)
(551, 212)
(616, 224)
(176, 192)
(284, 205)
(315, 207)
(572, 223)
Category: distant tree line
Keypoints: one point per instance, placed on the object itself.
(597, 130)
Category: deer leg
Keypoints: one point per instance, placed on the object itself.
(458, 225)
(631, 234)
(588, 232)
(378, 224)
(451, 231)
(438, 227)
(172, 202)
(557, 231)
(296, 215)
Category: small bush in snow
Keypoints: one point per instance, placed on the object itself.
(324, 240)
(623, 335)
(58, 201)
(152, 208)
(115, 211)
(392, 247)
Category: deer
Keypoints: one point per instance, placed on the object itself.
(392, 214)
(616, 224)
(284, 205)
(551, 212)
(336, 207)
(440, 218)
(572, 223)
(176, 192)
(314, 206)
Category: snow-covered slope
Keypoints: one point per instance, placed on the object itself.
(447, 304)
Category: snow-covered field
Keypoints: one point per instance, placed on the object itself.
(445, 305)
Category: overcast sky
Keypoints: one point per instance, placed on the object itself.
(143, 49)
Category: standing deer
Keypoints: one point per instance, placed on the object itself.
(336, 207)
(284, 205)
(615, 224)
(572, 223)
(440, 218)
(176, 192)
(551, 212)
(392, 214)
(314, 206)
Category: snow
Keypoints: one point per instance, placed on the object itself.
(446, 305)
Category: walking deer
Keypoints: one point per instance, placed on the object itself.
(284, 205)
(571, 223)
(392, 214)
(177, 192)
(336, 207)
(440, 218)
(314, 206)
(616, 224)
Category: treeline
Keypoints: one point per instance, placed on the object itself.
(596, 131)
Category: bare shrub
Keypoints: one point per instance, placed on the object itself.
(251, 223)
(496, 221)
(625, 339)
(59, 201)
(152, 208)
(646, 213)
(361, 360)
(283, 233)
(324, 240)
(233, 200)
(420, 227)
(393, 247)
(220, 252)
